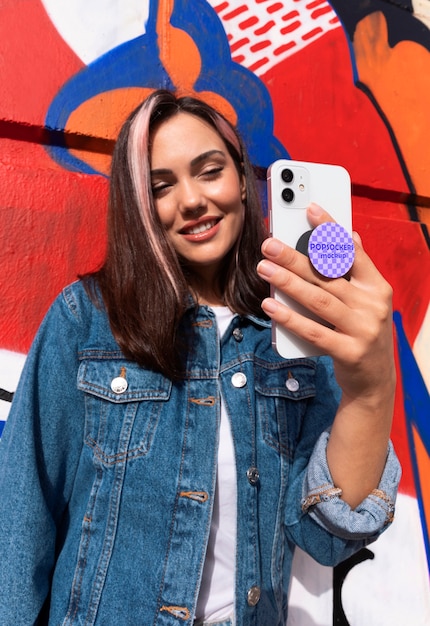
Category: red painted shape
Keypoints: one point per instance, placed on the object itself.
(291, 27)
(265, 29)
(34, 61)
(49, 233)
(54, 225)
(277, 6)
(237, 11)
(389, 242)
(316, 124)
(252, 21)
(312, 33)
(260, 45)
(290, 15)
(400, 438)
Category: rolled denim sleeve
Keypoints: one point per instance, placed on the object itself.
(321, 500)
(316, 518)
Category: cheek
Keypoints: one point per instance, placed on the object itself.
(229, 199)
(165, 213)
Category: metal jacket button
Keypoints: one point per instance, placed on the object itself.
(238, 379)
(253, 475)
(254, 595)
(292, 384)
(119, 384)
(238, 334)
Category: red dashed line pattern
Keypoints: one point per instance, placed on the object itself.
(264, 32)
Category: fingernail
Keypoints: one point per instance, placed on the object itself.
(266, 268)
(273, 247)
(315, 209)
(357, 237)
(269, 306)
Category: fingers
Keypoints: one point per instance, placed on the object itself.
(317, 215)
(357, 326)
(282, 260)
(363, 269)
(300, 283)
(291, 272)
(314, 332)
(356, 311)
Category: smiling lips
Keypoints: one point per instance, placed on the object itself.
(203, 230)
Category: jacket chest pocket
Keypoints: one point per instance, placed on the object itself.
(283, 391)
(123, 403)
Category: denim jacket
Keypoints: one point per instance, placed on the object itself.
(108, 474)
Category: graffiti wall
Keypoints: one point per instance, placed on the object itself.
(336, 82)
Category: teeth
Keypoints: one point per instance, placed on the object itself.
(200, 228)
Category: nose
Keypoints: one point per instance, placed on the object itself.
(191, 197)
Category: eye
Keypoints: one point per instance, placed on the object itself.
(160, 188)
(211, 172)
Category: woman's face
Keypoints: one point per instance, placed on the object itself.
(197, 192)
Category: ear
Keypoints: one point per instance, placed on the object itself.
(243, 187)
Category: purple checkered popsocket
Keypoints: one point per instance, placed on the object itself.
(331, 250)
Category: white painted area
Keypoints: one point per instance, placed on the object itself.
(311, 593)
(92, 28)
(422, 11)
(11, 364)
(393, 588)
(421, 349)
(263, 34)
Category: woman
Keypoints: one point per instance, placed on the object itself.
(158, 466)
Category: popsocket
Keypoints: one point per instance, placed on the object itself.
(331, 250)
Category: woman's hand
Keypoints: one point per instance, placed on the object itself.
(360, 343)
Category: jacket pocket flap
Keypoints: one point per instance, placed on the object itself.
(294, 380)
(122, 381)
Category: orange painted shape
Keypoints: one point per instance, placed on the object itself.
(102, 117)
(423, 463)
(216, 101)
(181, 59)
(179, 54)
(399, 79)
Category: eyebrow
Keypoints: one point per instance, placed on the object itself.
(198, 159)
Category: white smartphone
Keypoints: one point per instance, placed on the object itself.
(292, 186)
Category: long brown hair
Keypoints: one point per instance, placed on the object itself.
(142, 283)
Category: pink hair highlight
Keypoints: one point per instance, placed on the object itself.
(138, 158)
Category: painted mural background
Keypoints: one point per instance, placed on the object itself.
(336, 82)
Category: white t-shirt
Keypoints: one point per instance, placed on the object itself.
(216, 598)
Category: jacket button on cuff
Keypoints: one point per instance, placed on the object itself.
(238, 379)
(254, 595)
(119, 385)
(238, 334)
(253, 475)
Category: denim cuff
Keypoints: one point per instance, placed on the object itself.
(322, 501)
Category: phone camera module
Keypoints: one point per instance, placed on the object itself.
(287, 194)
(287, 175)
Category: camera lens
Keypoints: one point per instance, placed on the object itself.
(287, 175)
(287, 194)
